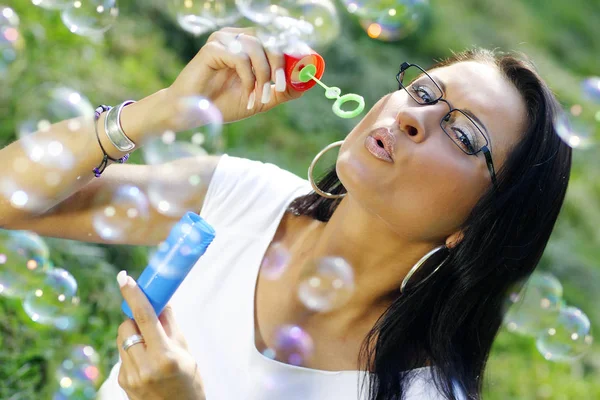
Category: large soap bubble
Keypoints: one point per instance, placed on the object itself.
(293, 345)
(11, 40)
(168, 153)
(591, 88)
(389, 20)
(275, 261)
(36, 111)
(314, 22)
(579, 124)
(53, 4)
(575, 128)
(78, 374)
(23, 257)
(326, 284)
(90, 17)
(534, 307)
(568, 338)
(54, 302)
(121, 214)
(263, 11)
(202, 16)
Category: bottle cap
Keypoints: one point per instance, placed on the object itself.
(295, 63)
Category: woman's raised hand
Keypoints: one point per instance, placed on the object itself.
(160, 367)
(234, 71)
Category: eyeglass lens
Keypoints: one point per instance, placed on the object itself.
(463, 132)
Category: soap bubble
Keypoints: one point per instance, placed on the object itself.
(23, 257)
(575, 128)
(170, 152)
(389, 21)
(326, 284)
(54, 302)
(275, 261)
(35, 112)
(90, 17)
(78, 374)
(293, 345)
(199, 17)
(43, 106)
(568, 338)
(263, 11)
(314, 22)
(591, 88)
(11, 40)
(578, 125)
(534, 308)
(121, 214)
(53, 4)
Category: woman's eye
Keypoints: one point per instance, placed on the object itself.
(423, 93)
(463, 140)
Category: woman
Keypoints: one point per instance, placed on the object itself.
(442, 197)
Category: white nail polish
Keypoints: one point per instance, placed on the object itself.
(266, 94)
(122, 278)
(280, 80)
(251, 100)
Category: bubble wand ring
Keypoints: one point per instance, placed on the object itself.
(308, 72)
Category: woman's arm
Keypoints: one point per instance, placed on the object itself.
(78, 138)
(72, 218)
(65, 210)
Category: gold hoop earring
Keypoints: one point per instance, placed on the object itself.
(312, 166)
(421, 262)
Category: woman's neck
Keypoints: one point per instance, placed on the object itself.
(380, 258)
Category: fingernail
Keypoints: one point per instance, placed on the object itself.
(266, 95)
(251, 100)
(122, 278)
(280, 80)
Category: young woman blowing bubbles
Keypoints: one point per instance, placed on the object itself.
(442, 197)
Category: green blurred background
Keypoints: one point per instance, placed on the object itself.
(145, 50)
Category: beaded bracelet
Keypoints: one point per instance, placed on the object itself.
(104, 163)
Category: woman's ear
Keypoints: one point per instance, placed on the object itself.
(454, 239)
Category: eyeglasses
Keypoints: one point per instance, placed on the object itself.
(458, 125)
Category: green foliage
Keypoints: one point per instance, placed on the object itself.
(145, 51)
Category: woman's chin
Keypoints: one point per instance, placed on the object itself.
(360, 173)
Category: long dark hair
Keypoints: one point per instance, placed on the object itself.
(451, 320)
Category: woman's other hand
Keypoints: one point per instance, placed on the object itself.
(235, 72)
(160, 368)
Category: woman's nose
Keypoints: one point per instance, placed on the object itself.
(411, 122)
(417, 121)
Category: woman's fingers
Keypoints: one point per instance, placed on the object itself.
(277, 63)
(143, 312)
(167, 319)
(252, 46)
(223, 57)
(267, 65)
(134, 355)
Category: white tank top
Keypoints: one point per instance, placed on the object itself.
(214, 306)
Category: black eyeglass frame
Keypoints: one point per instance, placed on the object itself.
(485, 149)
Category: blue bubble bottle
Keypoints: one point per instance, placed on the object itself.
(175, 257)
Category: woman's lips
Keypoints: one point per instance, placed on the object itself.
(380, 143)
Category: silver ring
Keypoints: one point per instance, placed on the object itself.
(131, 340)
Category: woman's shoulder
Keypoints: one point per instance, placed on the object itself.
(242, 189)
(248, 173)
